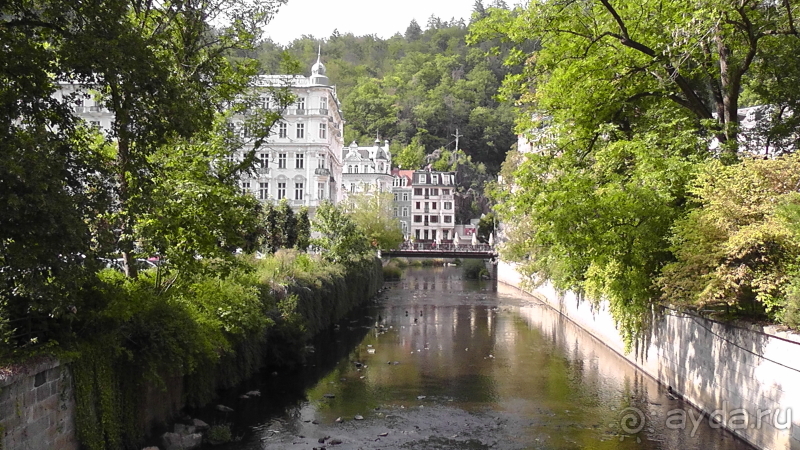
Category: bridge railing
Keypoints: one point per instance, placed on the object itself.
(445, 247)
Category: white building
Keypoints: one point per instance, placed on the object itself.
(367, 169)
(433, 206)
(301, 161)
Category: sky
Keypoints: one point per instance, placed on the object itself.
(361, 17)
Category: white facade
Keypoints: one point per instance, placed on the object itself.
(367, 169)
(301, 161)
(433, 206)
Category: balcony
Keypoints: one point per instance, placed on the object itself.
(300, 111)
(321, 171)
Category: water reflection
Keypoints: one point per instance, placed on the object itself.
(442, 362)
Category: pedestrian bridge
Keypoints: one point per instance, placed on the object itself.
(426, 250)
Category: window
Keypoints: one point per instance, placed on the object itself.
(433, 205)
(448, 219)
(323, 105)
(434, 219)
(323, 131)
(395, 212)
(299, 160)
(352, 187)
(417, 191)
(321, 161)
(427, 206)
(434, 179)
(263, 102)
(405, 196)
(396, 197)
(264, 157)
(435, 191)
(445, 233)
(355, 168)
(298, 191)
(282, 130)
(301, 105)
(446, 179)
(245, 187)
(418, 205)
(263, 191)
(417, 219)
(281, 191)
(445, 191)
(366, 168)
(421, 178)
(281, 160)
(380, 168)
(300, 131)
(448, 205)
(405, 211)
(320, 191)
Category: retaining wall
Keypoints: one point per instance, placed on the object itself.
(37, 409)
(37, 403)
(746, 377)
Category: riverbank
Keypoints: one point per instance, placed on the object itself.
(746, 377)
(150, 352)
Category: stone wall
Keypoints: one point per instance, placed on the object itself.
(745, 376)
(37, 407)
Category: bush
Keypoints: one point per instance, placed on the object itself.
(391, 272)
(474, 269)
(219, 434)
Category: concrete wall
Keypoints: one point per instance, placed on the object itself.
(37, 407)
(747, 377)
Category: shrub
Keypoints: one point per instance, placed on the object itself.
(474, 269)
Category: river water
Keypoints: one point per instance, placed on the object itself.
(439, 362)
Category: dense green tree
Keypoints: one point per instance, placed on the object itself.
(339, 237)
(374, 216)
(736, 247)
(621, 102)
(370, 113)
(303, 229)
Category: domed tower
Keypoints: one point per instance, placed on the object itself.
(318, 76)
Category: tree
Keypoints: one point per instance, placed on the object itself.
(370, 112)
(340, 238)
(374, 216)
(411, 157)
(737, 247)
(414, 31)
(606, 61)
(303, 229)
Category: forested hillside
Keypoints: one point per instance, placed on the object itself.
(418, 89)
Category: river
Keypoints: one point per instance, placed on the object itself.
(439, 362)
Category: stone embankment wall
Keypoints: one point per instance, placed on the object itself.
(37, 407)
(37, 403)
(746, 377)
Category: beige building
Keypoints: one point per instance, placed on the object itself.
(432, 206)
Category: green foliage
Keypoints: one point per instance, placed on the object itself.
(219, 434)
(340, 237)
(392, 271)
(417, 90)
(374, 216)
(598, 222)
(737, 247)
(474, 269)
(214, 329)
(410, 157)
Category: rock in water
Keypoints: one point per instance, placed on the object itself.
(224, 408)
(359, 417)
